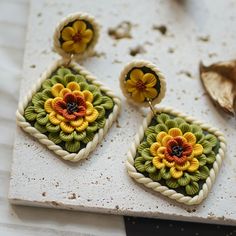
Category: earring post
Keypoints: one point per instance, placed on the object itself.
(151, 106)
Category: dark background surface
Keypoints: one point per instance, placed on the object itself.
(145, 227)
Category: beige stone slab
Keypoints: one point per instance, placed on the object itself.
(100, 183)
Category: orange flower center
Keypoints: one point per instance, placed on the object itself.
(140, 85)
(77, 37)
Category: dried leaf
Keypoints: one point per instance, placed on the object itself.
(219, 80)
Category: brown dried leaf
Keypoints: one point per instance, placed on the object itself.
(219, 80)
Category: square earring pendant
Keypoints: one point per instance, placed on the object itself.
(172, 153)
(69, 110)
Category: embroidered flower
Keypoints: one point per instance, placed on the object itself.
(76, 37)
(141, 85)
(71, 108)
(177, 151)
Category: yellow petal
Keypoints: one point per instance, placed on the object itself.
(154, 147)
(160, 136)
(77, 123)
(61, 118)
(175, 173)
(150, 93)
(174, 132)
(91, 118)
(66, 127)
(166, 139)
(89, 109)
(79, 26)
(197, 149)
(78, 93)
(168, 163)
(149, 79)
(87, 36)
(83, 126)
(161, 152)
(56, 89)
(190, 137)
(138, 96)
(157, 162)
(48, 105)
(55, 100)
(79, 47)
(130, 86)
(73, 86)
(53, 119)
(68, 46)
(88, 96)
(67, 33)
(136, 74)
(64, 92)
(194, 165)
(183, 167)
(191, 156)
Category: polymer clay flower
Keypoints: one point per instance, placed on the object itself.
(71, 108)
(177, 151)
(76, 37)
(141, 85)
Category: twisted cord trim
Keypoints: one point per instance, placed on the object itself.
(65, 21)
(83, 153)
(153, 67)
(140, 178)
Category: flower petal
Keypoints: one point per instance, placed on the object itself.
(87, 36)
(187, 149)
(66, 127)
(174, 132)
(68, 46)
(64, 92)
(79, 26)
(197, 149)
(59, 106)
(69, 98)
(88, 96)
(175, 173)
(160, 136)
(68, 116)
(161, 152)
(73, 86)
(136, 74)
(91, 118)
(77, 123)
(183, 167)
(56, 89)
(67, 33)
(61, 118)
(81, 111)
(83, 126)
(180, 160)
(79, 47)
(53, 119)
(149, 79)
(157, 162)
(154, 147)
(168, 163)
(166, 139)
(194, 165)
(150, 93)
(190, 137)
(130, 86)
(89, 108)
(78, 93)
(138, 96)
(48, 105)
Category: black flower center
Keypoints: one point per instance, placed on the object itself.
(71, 107)
(177, 151)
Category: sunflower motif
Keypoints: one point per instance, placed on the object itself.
(141, 85)
(177, 151)
(76, 37)
(70, 108)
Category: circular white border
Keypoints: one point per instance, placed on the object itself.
(140, 64)
(42, 138)
(140, 178)
(65, 21)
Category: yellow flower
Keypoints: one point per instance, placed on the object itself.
(141, 85)
(76, 37)
(61, 113)
(176, 151)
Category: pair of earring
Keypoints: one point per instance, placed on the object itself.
(70, 111)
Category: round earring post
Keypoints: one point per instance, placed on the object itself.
(151, 106)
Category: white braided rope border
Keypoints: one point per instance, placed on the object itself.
(139, 64)
(65, 21)
(140, 178)
(83, 153)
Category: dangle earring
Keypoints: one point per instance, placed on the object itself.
(69, 110)
(172, 153)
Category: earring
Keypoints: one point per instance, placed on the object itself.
(69, 110)
(172, 153)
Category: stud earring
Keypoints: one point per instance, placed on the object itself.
(172, 153)
(69, 110)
